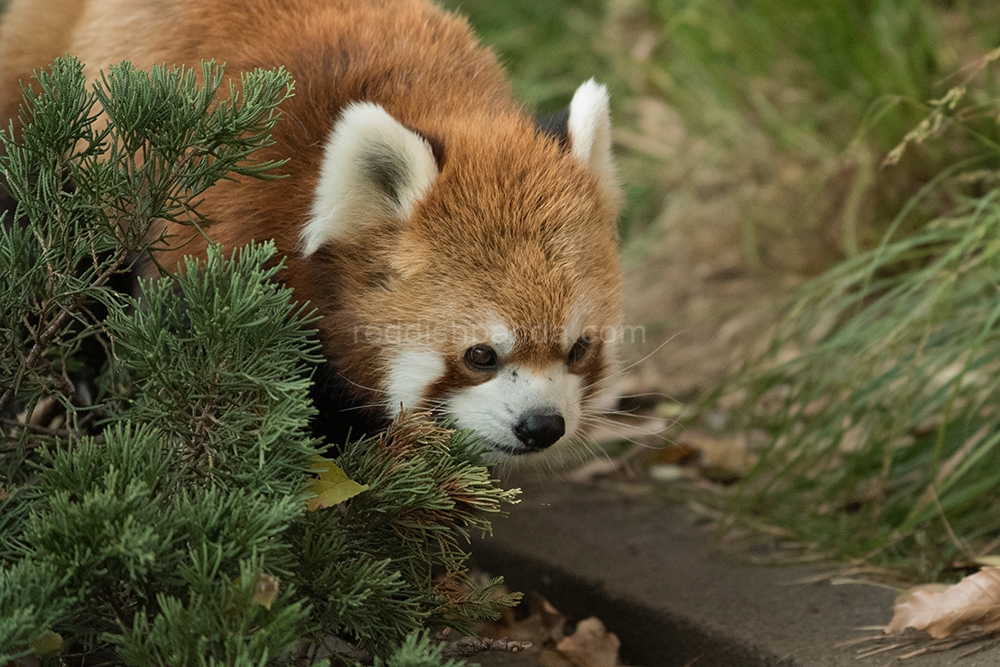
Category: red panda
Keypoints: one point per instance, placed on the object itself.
(463, 256)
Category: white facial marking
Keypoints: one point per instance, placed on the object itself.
(501, 338)
(577, 324)
(492, 409)
(372, 166)
(410, 374)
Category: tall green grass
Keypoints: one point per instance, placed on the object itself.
(801, 69)
(809, 96)
(881, 393)
(548, 47)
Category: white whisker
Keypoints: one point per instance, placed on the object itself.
(621, 372)
(361, 386)
(366, 406)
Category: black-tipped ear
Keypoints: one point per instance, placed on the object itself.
(555, 125)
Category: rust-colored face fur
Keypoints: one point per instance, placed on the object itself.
(511, 250)
(463, 259)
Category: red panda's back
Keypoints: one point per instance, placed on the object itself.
(406, 54)
(420, 63)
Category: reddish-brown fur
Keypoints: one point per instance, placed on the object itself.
(514, 223)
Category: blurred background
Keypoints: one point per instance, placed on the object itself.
(810, 242)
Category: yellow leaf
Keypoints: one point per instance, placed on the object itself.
(333, 486)
(50, 642)
(988, 561)
(265, 590)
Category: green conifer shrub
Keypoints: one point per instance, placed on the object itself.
(153, 504)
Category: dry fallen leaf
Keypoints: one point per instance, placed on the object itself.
(719, 458)
(333, 486)
(544, 625)
(943, 611)
(591, 645)
(549, 657)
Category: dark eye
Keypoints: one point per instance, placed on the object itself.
(579, 350)
(481, 357)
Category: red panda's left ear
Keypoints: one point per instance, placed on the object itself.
(589, 127)
(373, 168)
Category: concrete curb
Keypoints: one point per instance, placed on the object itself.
(674, 595)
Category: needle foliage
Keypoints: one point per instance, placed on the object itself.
(155, 446)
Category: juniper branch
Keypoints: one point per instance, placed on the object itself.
(43, 340)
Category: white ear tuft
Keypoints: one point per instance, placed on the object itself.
(590, 134)
(373, 168)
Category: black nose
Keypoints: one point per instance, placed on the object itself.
(538, 430)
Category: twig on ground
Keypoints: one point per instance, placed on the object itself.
(466, 646)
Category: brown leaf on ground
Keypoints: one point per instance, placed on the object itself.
(678, 455)
(943, 611)
(591, 645)
(720, 458)
(549, 657)
(544, 624)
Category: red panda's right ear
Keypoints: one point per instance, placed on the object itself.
(373, 168)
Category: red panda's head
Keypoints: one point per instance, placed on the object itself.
(477, 267)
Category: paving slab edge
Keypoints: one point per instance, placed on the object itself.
(660, 578)
(650, 637)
